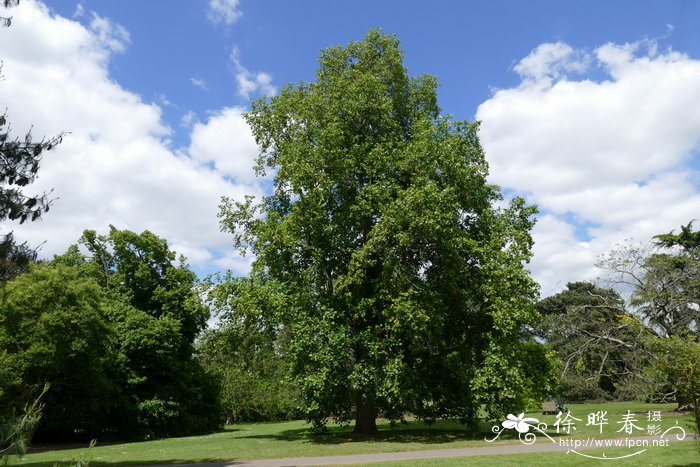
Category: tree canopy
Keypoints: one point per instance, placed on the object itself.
(248, 351)
(112, 329)
(665, 281)
(53, 329)
(403, 284)
(600, 344)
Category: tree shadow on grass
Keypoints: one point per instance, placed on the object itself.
(414, 432)
(204, 462)
(44, 447)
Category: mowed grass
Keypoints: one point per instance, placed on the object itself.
(293, 439)
(676, 454)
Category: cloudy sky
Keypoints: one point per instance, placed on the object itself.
(589, 109)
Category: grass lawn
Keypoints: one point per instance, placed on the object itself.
(292, 439)
(676, 454)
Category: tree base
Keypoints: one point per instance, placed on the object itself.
(365, 420)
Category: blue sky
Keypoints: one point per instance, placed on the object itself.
(470, 46)
(589, 109)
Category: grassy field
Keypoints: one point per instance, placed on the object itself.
(292, 439)
(678, 454)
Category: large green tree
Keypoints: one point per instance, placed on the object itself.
(404, 286)
(156, 314)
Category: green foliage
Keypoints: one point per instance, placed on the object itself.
(247, 352)
(53, 329)
(254, 385)
(140, 268)
(16, 431)
(687, 239)
(19, 165)
(113, 332)
(156, 315)
(669, 295)
(599, 343)
(665, 283)
(14, 258)
(404, 287)
(677, 361)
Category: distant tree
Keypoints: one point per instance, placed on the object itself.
(676, 361)
(248, 352)
(664, 280)
(404, 286)
(600, 345)
(678, 356)
(687, 238)
(14, 258)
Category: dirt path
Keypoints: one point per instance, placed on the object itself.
(427, 454)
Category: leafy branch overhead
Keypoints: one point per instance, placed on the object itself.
(19, 166)
(6, 21)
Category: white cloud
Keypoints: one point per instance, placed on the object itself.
(164, 101)
(557, 249)
(226, 141)
(552, 60)
(199, 82)
(238, 264)
(224, 12)
(116, 165)
(250, 82)
(189, 119)
(79, 10)
(614, 154)
(108, 34)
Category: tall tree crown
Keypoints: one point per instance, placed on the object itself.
(405, 286)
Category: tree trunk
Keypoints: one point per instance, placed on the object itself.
(365, 418)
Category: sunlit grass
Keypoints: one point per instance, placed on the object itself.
(675, 454)
(293, 439)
